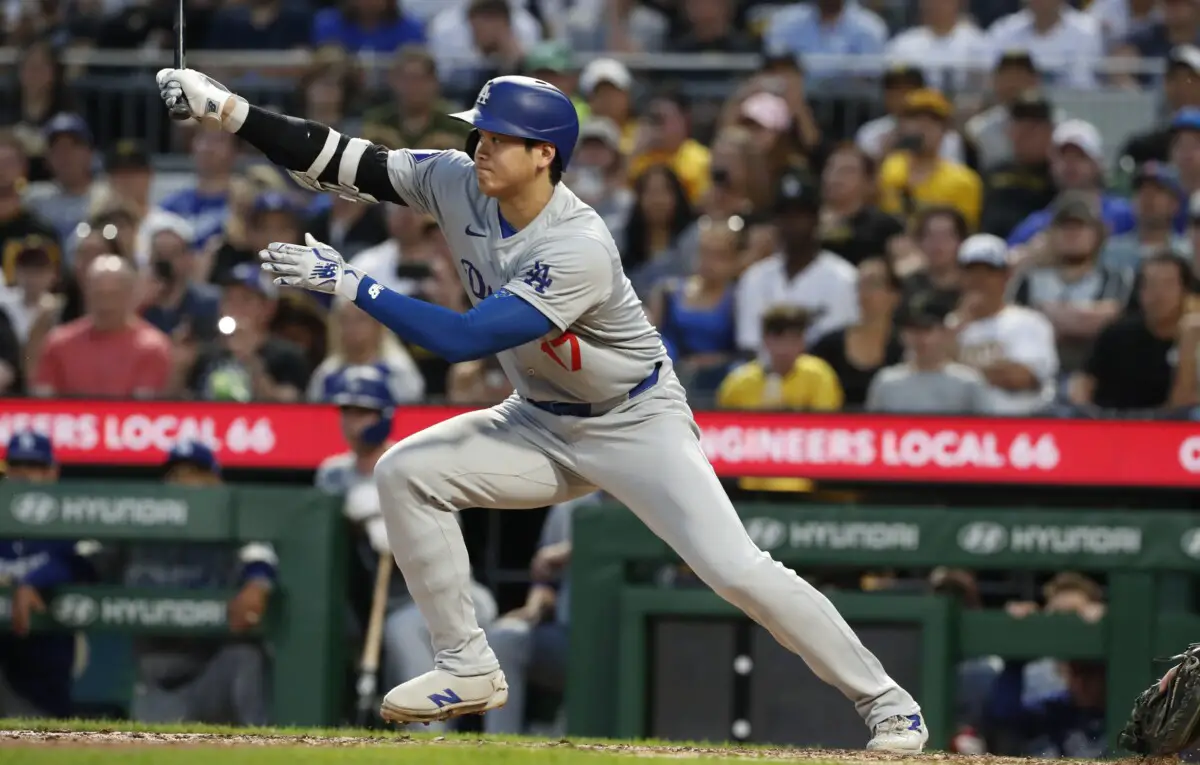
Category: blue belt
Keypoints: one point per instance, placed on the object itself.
(563, 409)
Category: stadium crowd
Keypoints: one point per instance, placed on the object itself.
(968, 249)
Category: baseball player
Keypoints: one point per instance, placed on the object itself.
(596, 402)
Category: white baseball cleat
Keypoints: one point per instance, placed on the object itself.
(438, 695)
(902, 733)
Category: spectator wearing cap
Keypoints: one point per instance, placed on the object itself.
(554, 62)
(1077, 165)
(110, 352)
(915, 175)
(179, 302)
(928, 380)
(475, 39)
(261, 26)
(851, 225)
(36, 667)
(951, 49)
(416, 110)
(1184, 149)
(987, 132)
(74, 191)
(1158, 202)
(938, 232)
(607, 85)
(664, 139)
(402, 259)
(19, 226)
(1181, 89)
(711, 29)
(206, 205)
(1065, 43)
(245, 362)
(825, 28)
(212, 681)
(1078, 294)
(784, 377)
(1147, 359)
(1011, 346)
(274, 217)
(1016, 188)
(857, 353)
(878, 137)
(35, 273)
(1179, 24)
(801, 274)
(374, 26)
(357, 340)
(597, 173)
(1118, 19)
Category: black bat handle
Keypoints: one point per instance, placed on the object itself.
(181, 111)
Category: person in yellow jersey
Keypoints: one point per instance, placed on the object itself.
(607, 84)
(664, 139)
(784, 377)
(915, 175)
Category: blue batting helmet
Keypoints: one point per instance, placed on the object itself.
(366, 387)
(525, 108)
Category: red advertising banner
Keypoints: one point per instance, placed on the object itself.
(820, 446)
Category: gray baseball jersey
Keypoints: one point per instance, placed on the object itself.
(565, 263)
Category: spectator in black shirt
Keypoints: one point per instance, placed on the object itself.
(1181, 88)
(1133, 362)
(850, 226)
(41, 94)
(246, 362)
(857, 353)
(711, 29)
(1019, 187)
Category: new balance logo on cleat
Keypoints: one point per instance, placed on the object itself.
(915, 722)
(538, 277)
(447, 696)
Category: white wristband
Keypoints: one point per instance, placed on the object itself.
(237, 115)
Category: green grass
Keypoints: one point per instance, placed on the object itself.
(349, 746)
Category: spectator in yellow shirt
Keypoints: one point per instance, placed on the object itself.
(663, 140)
(914, 175)
(786, 378)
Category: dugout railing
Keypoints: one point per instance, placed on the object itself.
(619, 608)
(303, 628)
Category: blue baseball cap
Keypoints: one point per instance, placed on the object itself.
(1187, 118)
(250, 276)
(192, 452)
(1158, 172)
(276, 201)
(67, 123)
(29, 448)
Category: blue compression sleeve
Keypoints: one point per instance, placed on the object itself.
(498, 323)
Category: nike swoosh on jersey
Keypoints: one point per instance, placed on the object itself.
(475, 233)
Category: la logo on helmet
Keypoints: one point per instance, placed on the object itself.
(484, 94)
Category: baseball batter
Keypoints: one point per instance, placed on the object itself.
(596, 403)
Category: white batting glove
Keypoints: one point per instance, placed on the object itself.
(311, 266)
(196, 96)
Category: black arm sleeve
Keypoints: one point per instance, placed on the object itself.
(294, 143)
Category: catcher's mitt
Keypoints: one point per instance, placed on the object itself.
(1166, 716)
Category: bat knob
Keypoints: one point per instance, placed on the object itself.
(180, 111)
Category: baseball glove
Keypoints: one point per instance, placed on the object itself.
(1166, 716)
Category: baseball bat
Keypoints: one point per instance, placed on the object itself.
(180, 111)
(368, 667)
